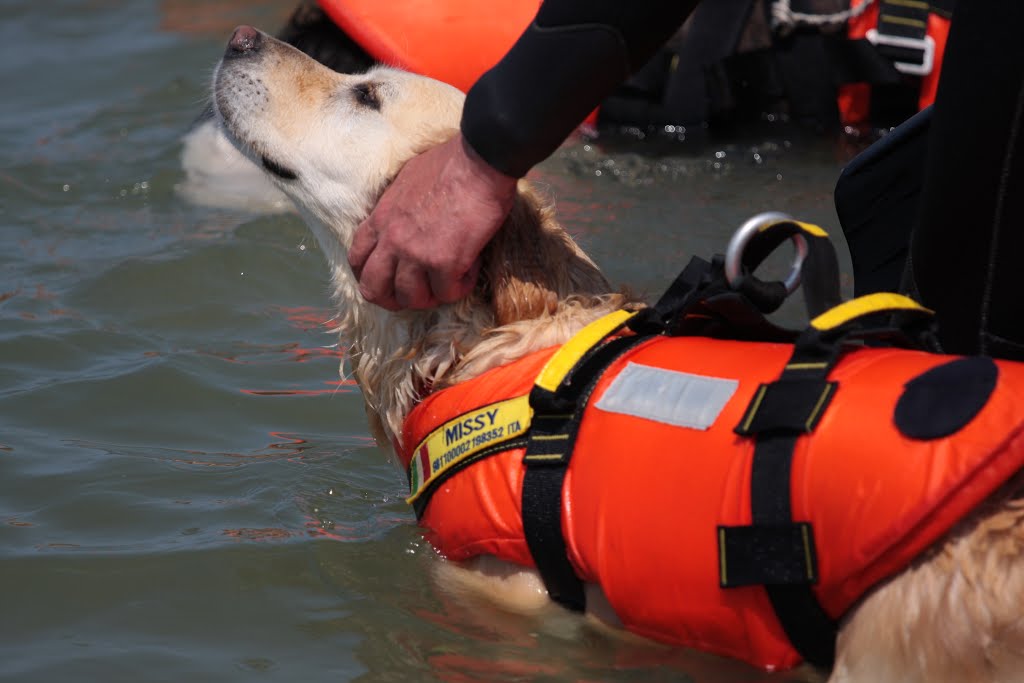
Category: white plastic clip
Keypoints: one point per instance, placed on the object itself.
(926, 45)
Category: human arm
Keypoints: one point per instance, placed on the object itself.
(421, 245)
(573, 55)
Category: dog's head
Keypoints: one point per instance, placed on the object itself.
(331, 141)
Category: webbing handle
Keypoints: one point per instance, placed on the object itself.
(849, 312)
(565, 359)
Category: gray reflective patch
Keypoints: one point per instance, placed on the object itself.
(675, 398)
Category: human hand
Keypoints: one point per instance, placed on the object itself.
(420, 247)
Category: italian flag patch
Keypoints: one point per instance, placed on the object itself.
(419, 468)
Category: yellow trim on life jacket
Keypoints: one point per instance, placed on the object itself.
(566, 357)
(465, 436)
(866, 305)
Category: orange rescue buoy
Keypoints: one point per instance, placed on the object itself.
(454, 41)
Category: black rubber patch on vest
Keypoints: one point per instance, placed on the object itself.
(943, 400)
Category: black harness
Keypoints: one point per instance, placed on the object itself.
(775, 551)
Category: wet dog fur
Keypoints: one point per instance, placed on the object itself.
(331, 142)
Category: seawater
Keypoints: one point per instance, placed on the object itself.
(188, 489)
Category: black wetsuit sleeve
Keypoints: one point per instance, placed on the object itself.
(566, 62)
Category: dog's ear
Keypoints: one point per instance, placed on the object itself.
(532, 263)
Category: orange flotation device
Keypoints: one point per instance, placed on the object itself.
(454, 41)
(661, 475)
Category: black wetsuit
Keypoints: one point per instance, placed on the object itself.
(968, 244)
(967, 248)
(566, 62)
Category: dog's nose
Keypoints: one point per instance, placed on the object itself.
(244, 40)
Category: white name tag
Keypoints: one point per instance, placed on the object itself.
(675, 398)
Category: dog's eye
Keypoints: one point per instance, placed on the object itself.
(366, 95)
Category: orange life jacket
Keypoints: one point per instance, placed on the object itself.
(854, 99)
(454, 41)
(645, 501)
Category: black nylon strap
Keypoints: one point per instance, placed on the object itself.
(767, 554)
(812, 631)
(546, 462)
(857, 61)
(552, 435)
(903, 19)
(819, 274)
(792, 405)
(781, 554)
(698, 280)
(892, 104)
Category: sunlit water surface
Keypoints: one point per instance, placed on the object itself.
(187, 488)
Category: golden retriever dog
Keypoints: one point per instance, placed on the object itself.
(331, 142)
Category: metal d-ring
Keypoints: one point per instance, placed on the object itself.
(747, 231)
